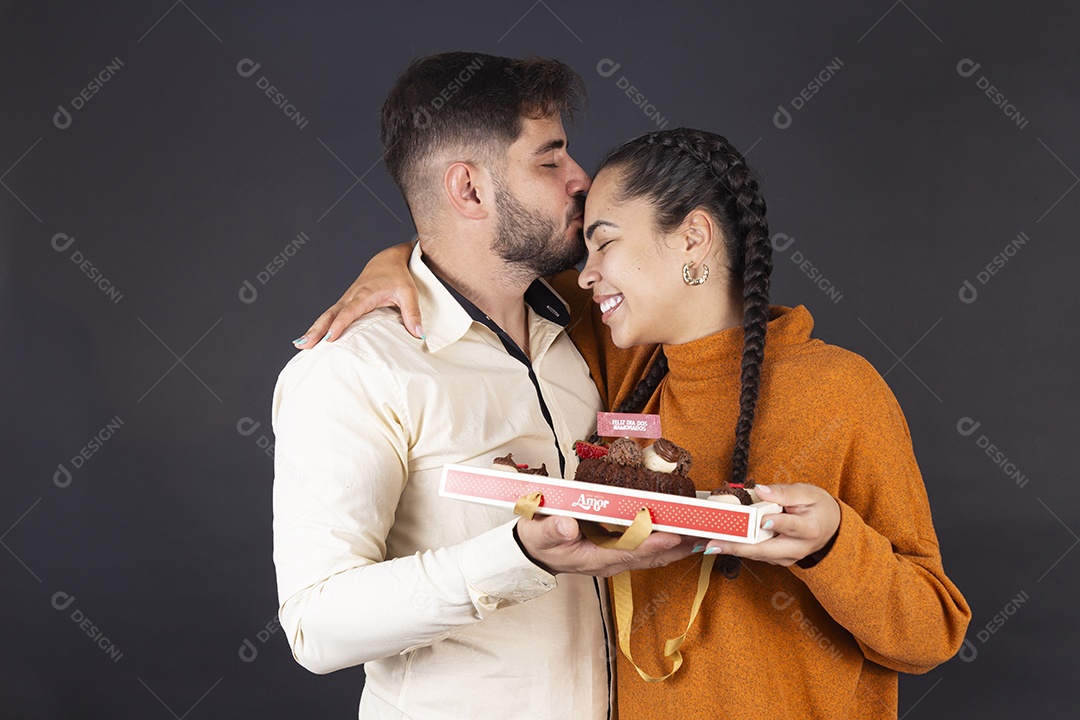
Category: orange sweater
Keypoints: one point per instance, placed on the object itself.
(824, 642)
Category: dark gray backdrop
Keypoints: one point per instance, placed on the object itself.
(168, 228)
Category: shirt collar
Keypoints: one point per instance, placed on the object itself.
(448, 315)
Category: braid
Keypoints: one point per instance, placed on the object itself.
(644, 390)
(750, 251)
(757, 267)
(679, 171)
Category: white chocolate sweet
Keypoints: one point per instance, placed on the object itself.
(653, 461)
(729, 499)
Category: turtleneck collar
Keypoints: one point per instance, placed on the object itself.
(721, 353)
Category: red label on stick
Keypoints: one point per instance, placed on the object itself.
(627, 425)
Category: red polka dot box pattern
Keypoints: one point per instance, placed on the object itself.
(603, 503)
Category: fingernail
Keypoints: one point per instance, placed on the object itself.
(419, 331)
(763, 489)
(328, 334)
(768, 524)
(423, 337)
(698, 548)
(300, 340)
(713, 551)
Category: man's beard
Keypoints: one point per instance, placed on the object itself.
(532, 244)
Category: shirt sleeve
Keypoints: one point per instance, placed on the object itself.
(883, 579)
(341, 457)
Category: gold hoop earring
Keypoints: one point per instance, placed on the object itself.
(689, 280)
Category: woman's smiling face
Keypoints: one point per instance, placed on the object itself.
(635, 271)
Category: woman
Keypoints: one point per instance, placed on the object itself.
(852, 589)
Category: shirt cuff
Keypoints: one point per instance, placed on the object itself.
(498, 574)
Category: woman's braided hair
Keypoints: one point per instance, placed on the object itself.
(682, 170)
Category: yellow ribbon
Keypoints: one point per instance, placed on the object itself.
(624, 613)
(527, 504)
(634, 535)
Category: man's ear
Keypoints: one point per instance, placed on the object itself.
(700, 236)
(465, 186)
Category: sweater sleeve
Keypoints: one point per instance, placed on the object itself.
(616, 371)
(883, 579)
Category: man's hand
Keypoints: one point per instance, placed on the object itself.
(558, 544)
(809, 522)
(385, 282)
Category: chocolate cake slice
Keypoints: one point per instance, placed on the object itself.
(661, 467)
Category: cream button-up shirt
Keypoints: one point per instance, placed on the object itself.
(433, 595)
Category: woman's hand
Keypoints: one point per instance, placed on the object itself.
(385, 282)
(810, 521)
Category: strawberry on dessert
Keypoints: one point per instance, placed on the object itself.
(589, 451)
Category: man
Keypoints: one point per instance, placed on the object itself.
(454, 608)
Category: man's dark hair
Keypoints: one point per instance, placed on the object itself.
(470, 103)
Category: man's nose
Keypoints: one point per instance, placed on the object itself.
(579, 182)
